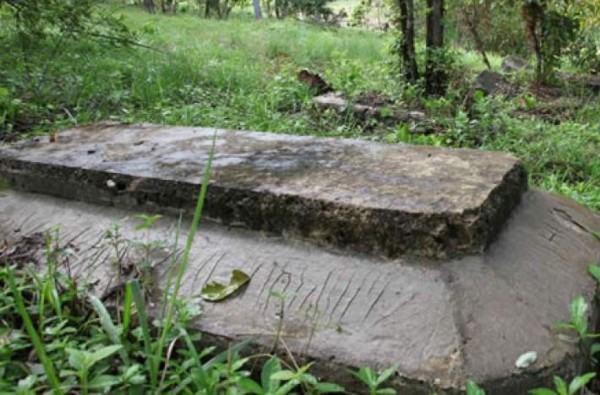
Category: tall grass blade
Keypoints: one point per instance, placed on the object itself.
(186, 253)
(190, 345)
(33, 335)
(140, 306)
(127, 303)
(172, 267)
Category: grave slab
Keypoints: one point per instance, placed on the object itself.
(441, 322)
(390, 200)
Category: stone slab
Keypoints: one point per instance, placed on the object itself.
(442, 323)
(338, 102)
(391, 200)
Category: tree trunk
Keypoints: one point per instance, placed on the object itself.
(472, 20)
(407, 45)
(213, 7)
(149, 5)
(257, 11)
(435, 73)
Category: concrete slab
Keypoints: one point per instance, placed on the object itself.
(390, 200)
(441, 322)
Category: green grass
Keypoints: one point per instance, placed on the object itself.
(240, 74)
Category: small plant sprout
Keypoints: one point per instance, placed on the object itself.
(474, 389)
(578, 319)
(148, 220)
(374, 381)
(561, 388)
(83, 361)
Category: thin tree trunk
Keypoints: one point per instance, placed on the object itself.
(407, 45)
(435, 75)
(257, 11)
(533, 15)
(471, 20)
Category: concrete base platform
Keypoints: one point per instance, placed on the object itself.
(441, 322)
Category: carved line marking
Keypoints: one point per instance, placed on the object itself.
(394, 310)
(256, 269)
(283, 273)
(358, 289)
(323, 289)
(297, 288)
(377, 299)
(212, 270)
(314, 288)
(26, 220)
(266, 283)
(202, 266)
(333, 287)
(373, 284)
(337, 303)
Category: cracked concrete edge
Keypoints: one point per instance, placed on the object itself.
(344, 227)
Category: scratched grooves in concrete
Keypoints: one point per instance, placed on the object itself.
(441, 322)
(373, 198)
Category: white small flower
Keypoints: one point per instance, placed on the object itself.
(525, 360)
(111, 184)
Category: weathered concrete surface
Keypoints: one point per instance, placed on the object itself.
(389, 200)
(441, 322)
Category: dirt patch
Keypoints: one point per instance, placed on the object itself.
(24, 251)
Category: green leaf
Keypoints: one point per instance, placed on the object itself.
(564, 325)
(580, 382)
(560, 385)
(148, 221)
(27, 383)
(594, 271)
(272, 366)
(238, 364)
(33, 334)
(308, 378)
(328, 388)
(284, 375)
(215, 292)
(386, 391)
(579, 308)
(542, 391)
(287, 387)
(102, 353)
(594, 349)
(108, 326)
(104, 381)
(386, 374)
(474, 389)
(366, 375)
(77, 359)
(251, 386)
